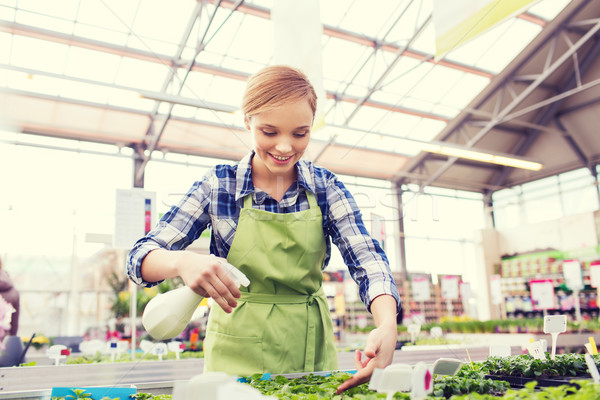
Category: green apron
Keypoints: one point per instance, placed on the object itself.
(282, 322)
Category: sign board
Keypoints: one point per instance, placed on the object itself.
(378, 229)
(572, 274)
(421, 289)
(449, 287)
(542, 294)
(595, 274)
(496, 290)
(135, 216)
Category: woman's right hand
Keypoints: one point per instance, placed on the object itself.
(205, 275)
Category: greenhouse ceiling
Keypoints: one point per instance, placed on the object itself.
(167, 77)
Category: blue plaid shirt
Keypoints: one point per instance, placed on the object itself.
(217, 199)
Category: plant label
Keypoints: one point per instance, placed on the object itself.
(57, 352)
(422, 382)
(176, 347)
(395, 378)
(91, 346)
(535, 350)
(446, 366)
(589, 360)
(436, 332)
(593, 347)
(572, 274)
(555, 323)
(500, 350)
(160, 349)
(414, 330)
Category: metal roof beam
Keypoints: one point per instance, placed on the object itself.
(385, 73)
(517, 100)
(148, 56)
(364, 40)
(553, 108)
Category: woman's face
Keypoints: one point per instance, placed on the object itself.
(280, 137)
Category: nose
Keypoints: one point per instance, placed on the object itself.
(283, 146)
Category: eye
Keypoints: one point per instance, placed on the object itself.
(300, 134)
(268, 133)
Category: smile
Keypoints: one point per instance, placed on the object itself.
(280, 158)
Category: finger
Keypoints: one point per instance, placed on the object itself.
(222, 303)
(373, 345)
(218, 280)
(359, 378)
(228, 282)
(357, 360)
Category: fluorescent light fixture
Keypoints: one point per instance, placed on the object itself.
(492, 157)
(444, 148)
(175, 99)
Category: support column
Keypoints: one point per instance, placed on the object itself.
(401, 236)
(139, 166)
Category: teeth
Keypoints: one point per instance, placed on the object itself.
(280, 158)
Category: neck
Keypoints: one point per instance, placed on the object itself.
(274, 185)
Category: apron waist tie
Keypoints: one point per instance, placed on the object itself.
(311, 325)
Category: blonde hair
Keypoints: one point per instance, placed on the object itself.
(274, 86)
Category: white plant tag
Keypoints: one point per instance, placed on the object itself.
(589, 360)
(555, 323)
(500, 350)
(535, 350)
(414, 330)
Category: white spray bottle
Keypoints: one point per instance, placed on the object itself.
(167, 314)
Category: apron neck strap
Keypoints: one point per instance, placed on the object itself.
(312, 201)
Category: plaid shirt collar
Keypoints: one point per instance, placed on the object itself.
(244, 185)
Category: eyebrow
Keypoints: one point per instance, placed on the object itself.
(274, 127)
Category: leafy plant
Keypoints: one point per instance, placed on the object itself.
(79, 394)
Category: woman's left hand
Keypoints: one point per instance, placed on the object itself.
(379, 352)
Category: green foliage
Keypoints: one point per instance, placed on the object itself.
(526, 366)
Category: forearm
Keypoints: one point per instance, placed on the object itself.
(160, 264)
(384, 309)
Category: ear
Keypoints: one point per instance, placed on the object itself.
(247, 122)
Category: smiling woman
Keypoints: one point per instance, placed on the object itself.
(273, 216)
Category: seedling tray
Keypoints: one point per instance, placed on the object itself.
(518, 382)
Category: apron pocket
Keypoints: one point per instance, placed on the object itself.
(237, 355)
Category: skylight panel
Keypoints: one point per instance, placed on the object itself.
(407, 74)
(427, 129)
(5, 43)
(425, 42)
(225, 91)
(129, 100)
(220, 40)
(340, 58)
(64, 9)
(162, 20)
(33, 83)
(398, 124)
(183, 111)
(366, 18)
(367, 118)
(195, 86)
(44, 21)
(416, 14)
(465, 89)
(548, 9)
(33, 53)
(85, 92)
(496, 48)
(156, 46)
(141, 74)
(439, 82)
(111, 15)
(92, 64)
(253, 40)
(100, 34)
